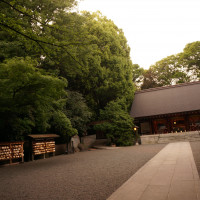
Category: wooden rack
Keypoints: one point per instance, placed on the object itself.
(42, 144)
(10, 151)
(42, 147)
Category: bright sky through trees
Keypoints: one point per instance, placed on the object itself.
(154, 29)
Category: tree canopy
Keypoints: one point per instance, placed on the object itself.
(107, 72)
(180, 68)
(118, 124)
(60, 67)
(29, 99)
(190, 60)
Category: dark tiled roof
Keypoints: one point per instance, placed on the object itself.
(165, 100)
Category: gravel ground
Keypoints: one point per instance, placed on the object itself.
(196, 153)
(89, 175)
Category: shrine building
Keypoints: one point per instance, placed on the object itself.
(168, 109)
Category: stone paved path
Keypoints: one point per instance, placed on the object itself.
(170, 175)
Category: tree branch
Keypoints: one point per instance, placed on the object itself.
(40, 41)
(33, 18)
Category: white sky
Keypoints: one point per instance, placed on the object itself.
(154, 29)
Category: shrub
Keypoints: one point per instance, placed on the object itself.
(118, 124)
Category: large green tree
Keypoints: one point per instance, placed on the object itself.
(149, 79)
(29, 100)
(87, 49)
(77, 111)
(137, 75)
(190, 59)
(34, 28)
(107, 72)
(117, 123)
(180, 68)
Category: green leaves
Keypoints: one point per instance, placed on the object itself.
(174, 69)
(62, 125)
(41, 40)
(32, 24)
(190, 59)
(78, 112)
(27, 98)
(108, 70)
(118, 125)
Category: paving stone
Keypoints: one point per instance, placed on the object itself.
(170, 175)
(182, 190)
(155, 193)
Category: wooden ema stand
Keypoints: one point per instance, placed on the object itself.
(42, 147)
(42, 144)
(10, 151)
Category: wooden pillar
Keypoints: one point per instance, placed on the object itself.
(139, 125)
(45, 147)
(22, 151)
(187, 123)
(168, 125)
(32, 153)
(151, 126)
(10, 153)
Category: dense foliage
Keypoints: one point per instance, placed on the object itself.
(118, 124)
(107, 70)
(174, 69)
(77, 111)
(29, 99)
(58, 68)
(190, 60)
